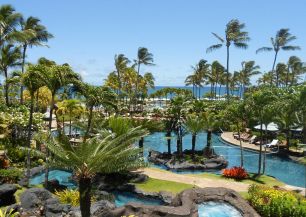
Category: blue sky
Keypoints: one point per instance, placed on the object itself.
(89, 33)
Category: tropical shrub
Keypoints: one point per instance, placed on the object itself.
(70, 196)
(238, 173)
(8, 213)
(276, 202)
(10, 175)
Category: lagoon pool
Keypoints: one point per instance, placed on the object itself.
(283, 169)
(217, 209)
(122, 198)
(64, 178)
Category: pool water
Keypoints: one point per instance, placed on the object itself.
(283, 169)
(122, 198)
(217, 209)
(64, 178)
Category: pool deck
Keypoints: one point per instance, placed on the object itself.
(229, 138)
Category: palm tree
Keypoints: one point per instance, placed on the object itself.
(281, 42)
(31, 80)
(248, 70)
(295, 68)
(55, 77)
(95, 96)
(234, 34)
(143, 57)
(108, 155)
(210, 123)
(256, 103)
(35, 34)
(10, 57)
(266, 78)
(121, 63)
(9, 20)
(194, 125)
(281, 73)
(71, 107)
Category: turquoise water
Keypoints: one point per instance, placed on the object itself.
(64, 178)
(122, 198)
(217, 209)
(283, 169)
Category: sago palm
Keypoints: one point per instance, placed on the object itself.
(108, 155)
(235, 35)
(280, 42)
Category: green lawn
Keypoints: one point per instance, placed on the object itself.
(156, 185)
(265, 180)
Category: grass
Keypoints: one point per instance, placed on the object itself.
(263, 179)
(156, 185)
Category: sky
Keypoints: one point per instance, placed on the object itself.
(88, 34)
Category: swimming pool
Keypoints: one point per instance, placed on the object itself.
(64, 178)
(283, 169)
(217, 209)
(122, 198)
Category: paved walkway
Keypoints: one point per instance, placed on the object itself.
(204, 182)
(198, 181)
(228, 137)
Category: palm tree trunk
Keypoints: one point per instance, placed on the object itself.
(260, 150)
(193, 142)
(85, 200)
(6, 88)
(288, 138)
(22, 71)
(168, 135)
(136, 85)
(265, 153)
(207, 149)
(89, 122)
(29, 139)
(241, 148)
(275, 57)
(304, 129)
(37, 98)
(227, 72)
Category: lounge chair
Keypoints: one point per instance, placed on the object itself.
(252, 139)
(273, 143)
(245, 137)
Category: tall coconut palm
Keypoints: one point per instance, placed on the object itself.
(55, 77)
(9, 20)
(10, 57)
(144, 57)
(31, 80)
(194, 125)
(35, 34)
(295, 68)
(281, 73)
(95, 96)
(248, 70)
(280, 42)
(121, 63)
(108, 155)
(234, 34)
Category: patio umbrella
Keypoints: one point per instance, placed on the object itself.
(272, 127)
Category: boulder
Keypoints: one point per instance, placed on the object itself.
(54, 185)
(100, 207)
(185, 204)
(34, 198)
(53, 208)
(7, 192)
(173, 163)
